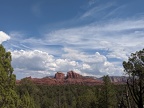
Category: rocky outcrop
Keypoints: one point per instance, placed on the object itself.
(59, 75)
(74, 78)
(118, 79)
(60, 79)
(73, 75)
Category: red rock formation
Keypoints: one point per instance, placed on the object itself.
(60, 79)
(59, 75)
(74, 75)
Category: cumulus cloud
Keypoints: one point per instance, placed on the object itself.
(39, 64)
(114, 40)
(94, 49)
(118, 38)
(3, 37)
(76, 55)
(89, 50)
(31, 60)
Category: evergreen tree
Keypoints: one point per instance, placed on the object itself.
(8, 96)
(27, 101)
(28, 93)
(134, 67)
(108, 99)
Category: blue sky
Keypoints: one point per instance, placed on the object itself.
(91, 37)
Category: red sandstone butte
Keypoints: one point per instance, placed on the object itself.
(59, 75)
(73, 75)
(71, 78)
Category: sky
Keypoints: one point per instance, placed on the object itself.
(90, 37)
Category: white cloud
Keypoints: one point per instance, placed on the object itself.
(32, 63)
(94, 49)
(3, 37)
(95, 10)
(92, 2)
(86, 66)
(118, 37)
(39, 64)
(76, 55)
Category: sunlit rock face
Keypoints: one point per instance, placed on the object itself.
(61, 79)
(74, 75)
(59, 75)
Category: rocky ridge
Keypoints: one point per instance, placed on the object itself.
(62, 79)
(72, 78)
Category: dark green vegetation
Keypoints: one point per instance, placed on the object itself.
(8, 96)
(108, 95)
(135, 83)
(69, 96)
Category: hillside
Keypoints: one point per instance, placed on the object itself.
(73, 78)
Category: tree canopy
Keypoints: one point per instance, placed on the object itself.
(8, 96)
(134, 67)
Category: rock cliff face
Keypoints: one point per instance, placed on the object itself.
(118, 79)
(59, 75)
(73, 78)
(73, 75)
(60, 79)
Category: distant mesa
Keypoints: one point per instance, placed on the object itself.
(72, 78)
(118, 79)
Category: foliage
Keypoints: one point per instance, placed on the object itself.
(8, 96)
(134, 67)
(67, 96)
(28, 94)
(107, 95)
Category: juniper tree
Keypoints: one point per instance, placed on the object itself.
(134, 67)
(107, 97)
(8, 96)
